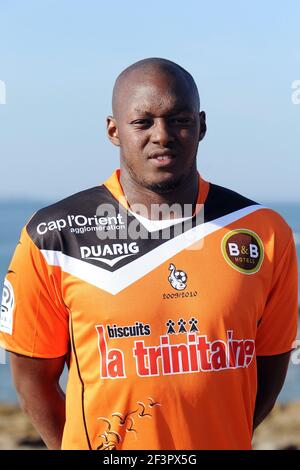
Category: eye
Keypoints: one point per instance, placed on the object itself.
(182, 120)
(141, 122)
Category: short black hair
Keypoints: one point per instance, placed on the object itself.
(155, 63)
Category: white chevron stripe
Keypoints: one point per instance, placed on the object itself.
(111, 262)
(115, 282)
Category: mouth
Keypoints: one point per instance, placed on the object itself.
(162, 159)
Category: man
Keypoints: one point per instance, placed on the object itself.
(178, 327)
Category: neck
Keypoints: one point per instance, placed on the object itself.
(138, 195)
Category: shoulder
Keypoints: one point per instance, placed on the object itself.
(222, 201)
(52, 221)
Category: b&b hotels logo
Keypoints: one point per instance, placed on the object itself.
(243, 250)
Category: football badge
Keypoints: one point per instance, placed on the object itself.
(177, 278)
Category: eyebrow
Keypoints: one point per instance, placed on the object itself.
(174, 111)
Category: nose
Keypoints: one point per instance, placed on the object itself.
(161, 133)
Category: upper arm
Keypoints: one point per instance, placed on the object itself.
(277, 328)
(34, 322)
(29, 371)
(271, 373)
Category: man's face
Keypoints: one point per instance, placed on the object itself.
(158, 127)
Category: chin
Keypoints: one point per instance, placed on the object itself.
(163, 185)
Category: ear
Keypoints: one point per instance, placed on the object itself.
(203, 127)
(112, 130)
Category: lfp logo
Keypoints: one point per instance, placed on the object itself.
(2, 92)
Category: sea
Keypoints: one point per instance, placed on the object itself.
(15, 214)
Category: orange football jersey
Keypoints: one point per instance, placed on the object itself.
(163, 327)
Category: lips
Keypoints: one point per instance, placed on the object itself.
(162, 158)
(162, 153)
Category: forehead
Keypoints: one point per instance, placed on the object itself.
(156, 94)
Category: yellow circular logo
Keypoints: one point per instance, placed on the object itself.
(243, 250)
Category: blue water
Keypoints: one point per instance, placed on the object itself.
(14, 215)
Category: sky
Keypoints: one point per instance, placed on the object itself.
(59, 60)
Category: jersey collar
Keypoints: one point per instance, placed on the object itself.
(115, 188)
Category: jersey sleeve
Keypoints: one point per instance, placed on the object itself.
(34, 319)
(277, 328)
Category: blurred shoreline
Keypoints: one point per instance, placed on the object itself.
(279, 431)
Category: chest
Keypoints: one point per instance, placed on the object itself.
(221, 280)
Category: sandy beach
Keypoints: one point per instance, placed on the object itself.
(280, 430)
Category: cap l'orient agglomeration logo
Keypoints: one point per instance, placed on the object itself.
(177, 278)
(243, 250)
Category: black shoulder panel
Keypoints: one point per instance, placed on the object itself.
(222, 201)
(49, 226)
